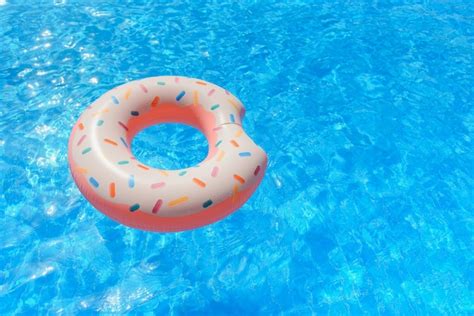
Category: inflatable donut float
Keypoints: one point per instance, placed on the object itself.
(139, 196)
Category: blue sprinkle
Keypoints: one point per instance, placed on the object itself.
(180, 95)
(245, 154)
(218, 143)
(131, 181)
(134, 207)
(100, 122)
(232, 118)
(182, 173)
(116, 101)
(135, 113)
(94, 182)
(124, 142)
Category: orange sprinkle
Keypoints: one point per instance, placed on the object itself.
(220, 155)
(155, 101)
(201, 183)
(239, 178)
(103, 111)
(143, 167)
(163, 172)
(110, 141)
(195, 97)
(81, 126)
(112, 189)
(233, 142)
(201, 83)
(238, 133)
(234, 104)
(178, 201)
(128, 93)
(81, 170)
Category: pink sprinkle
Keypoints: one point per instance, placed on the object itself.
(217, 128)
(211, 92)
(157, 185)
(215, 171)
(157, 206)
(123, 125)
(176, 79)
(143, 88)
(227, 92)
(81, 139)
(256, 170)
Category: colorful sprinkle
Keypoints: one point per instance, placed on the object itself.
(217, 128)
(86, 150)
(99, 112)
(201, 83)
(157, 206)
(215, 171)
(215, 106)
(116, 101)
(180, 95)
(218, 143)
(199, 182)
(81, 170)
(123, 162)
(135, 113)
(207, 204)
(123, 125)
(109, 141)
(143, 88)
(220, 155)
(232, 118)
(195, 98)
(245, 154)
(239, 178)
(161, 83)
(134, 207)
(178, 201)
(112, 189)
(100, 122)
(81, 126)
(155, 102)
(157, 185)
(176, 79)
(131, 181)
(211, 92)
(257, 170)
(128, 93)
(124, 142)
(182, 173)
(227, 92)
(143, 167)
(233, 142)
(234, 104)
(94, 182)
(81, 140)
(163, 172)
(238, 133)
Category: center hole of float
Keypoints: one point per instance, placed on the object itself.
(170, 146)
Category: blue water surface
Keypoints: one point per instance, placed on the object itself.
(364, 107)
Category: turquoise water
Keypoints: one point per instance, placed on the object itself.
(366, 113)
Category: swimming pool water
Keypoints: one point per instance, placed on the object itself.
(364, 108)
